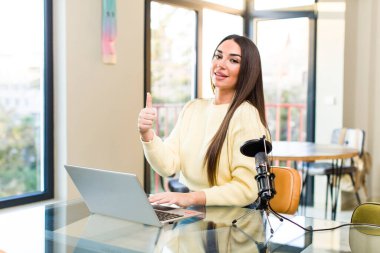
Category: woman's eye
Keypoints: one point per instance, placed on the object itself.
(218, 56)
(234, 61)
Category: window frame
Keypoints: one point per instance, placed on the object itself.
(48, 123)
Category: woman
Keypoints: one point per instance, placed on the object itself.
(204, 146)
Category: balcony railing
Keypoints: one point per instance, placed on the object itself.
(286, 121)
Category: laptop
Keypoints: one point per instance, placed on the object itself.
(120, 195)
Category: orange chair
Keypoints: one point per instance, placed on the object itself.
(288, 184)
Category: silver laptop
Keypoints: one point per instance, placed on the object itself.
(121, 195)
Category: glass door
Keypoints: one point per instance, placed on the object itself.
(285, 46)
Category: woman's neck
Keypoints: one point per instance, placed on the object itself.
(223, 97)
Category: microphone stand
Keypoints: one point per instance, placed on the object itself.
(262, 205)
(264, 178)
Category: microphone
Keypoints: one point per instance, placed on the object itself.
(259, 148)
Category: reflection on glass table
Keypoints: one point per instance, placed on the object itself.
(211, 233)
(69, 227)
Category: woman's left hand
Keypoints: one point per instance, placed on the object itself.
(179, 198)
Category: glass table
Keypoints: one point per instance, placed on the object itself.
(69, 227)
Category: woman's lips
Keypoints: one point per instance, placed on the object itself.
(220, 75)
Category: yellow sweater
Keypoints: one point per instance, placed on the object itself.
(184, 149)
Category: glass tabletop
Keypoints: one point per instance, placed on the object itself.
(70, 227)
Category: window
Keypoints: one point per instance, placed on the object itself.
(172, 60)
(285, 71)
(180, 40)
(286, 41)
(26, 147)
(173, 65)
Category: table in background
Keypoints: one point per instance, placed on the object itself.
(307, 152)
(69, 227)
(310, 151)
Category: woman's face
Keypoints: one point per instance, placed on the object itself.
(225, 66)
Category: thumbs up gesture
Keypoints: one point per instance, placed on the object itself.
(146, 119)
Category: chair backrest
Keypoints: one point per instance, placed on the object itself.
(368, 212)
(287, 183)
(350, 137)
(337, 136)
(365, 238)
(354, 138)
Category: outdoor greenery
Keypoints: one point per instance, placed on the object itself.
(19, 155)
(172, 66)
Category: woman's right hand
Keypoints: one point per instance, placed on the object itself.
(146, 119)
(179, 198)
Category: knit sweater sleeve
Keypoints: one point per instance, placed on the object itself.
(164, 156)
(241, 188)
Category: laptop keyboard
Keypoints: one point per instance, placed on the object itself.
(163, 216)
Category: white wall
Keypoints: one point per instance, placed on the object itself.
(362, 80)
(348, 80)
(329, 69)
(329, 77)
(96, 105)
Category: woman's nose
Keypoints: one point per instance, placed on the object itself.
(220, 64)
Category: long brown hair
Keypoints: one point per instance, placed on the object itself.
(249, 87)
